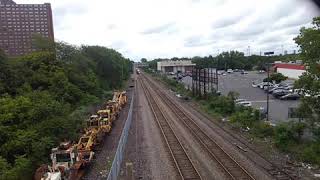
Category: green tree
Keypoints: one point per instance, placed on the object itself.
(276, 77)
(309, 43)
(143, 60)
(42, 43)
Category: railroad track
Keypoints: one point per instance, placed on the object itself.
(279, 173)
(182, 161)
(230, 166)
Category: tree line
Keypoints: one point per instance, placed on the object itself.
(44, 98)
(231, 60)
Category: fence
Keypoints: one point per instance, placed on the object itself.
(116, 164)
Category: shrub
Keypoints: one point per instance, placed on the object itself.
(222, 105)
(283, 137)
(262, 129)
(288, 133)
(311, 153)
(245, 118)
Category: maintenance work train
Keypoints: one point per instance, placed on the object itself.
(69, 160)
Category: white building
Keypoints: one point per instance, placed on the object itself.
(175, 66)
(292, 71)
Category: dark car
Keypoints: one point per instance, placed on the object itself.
(290, 96)
(279, 93)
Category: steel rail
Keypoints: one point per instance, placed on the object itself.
(232, 168)
(180, 157)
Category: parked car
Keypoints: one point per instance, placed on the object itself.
(254, 84)
(244, 103)
(265, 88)
(271, 90)
(279, 93)
(290, 96)
(171, 73)
(239, 100)
(261, 71)
(263, 84)
(229, 71)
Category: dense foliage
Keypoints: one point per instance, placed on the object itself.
(309, 110)
(44, 97)
(309, 42)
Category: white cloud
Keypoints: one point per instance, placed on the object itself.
(181, 28)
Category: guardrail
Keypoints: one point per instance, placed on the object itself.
(116, 164)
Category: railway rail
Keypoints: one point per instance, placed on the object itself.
(230, 166)
(182, 161)
(279, 173)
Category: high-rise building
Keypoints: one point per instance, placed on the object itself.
(20, 22)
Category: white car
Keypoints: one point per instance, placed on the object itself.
(245, 103)
(263, 84)
(239, 100)
(229, 71)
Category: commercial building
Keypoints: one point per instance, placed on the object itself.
(291, 70)
(20, 22)
(175, 66)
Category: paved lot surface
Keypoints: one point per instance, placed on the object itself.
(241, 83)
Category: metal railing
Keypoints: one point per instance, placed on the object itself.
(116, 164)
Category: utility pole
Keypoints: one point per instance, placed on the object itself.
(217, 73)
(268, 69)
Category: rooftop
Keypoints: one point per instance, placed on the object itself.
(289, 66)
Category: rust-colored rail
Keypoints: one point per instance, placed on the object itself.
(183, 164)
(230, 166)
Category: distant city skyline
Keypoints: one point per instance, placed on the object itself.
(181, 28)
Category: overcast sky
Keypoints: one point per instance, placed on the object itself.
(181, 28)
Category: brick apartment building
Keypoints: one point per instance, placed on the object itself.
(20, 22)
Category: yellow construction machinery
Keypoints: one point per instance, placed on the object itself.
(120, 97)
(65, 164)
(69, 160)
(87, 140)
(106, 119)
(113, 107)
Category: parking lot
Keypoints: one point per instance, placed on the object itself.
(242, 83)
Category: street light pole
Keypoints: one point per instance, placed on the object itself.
(268, 69)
